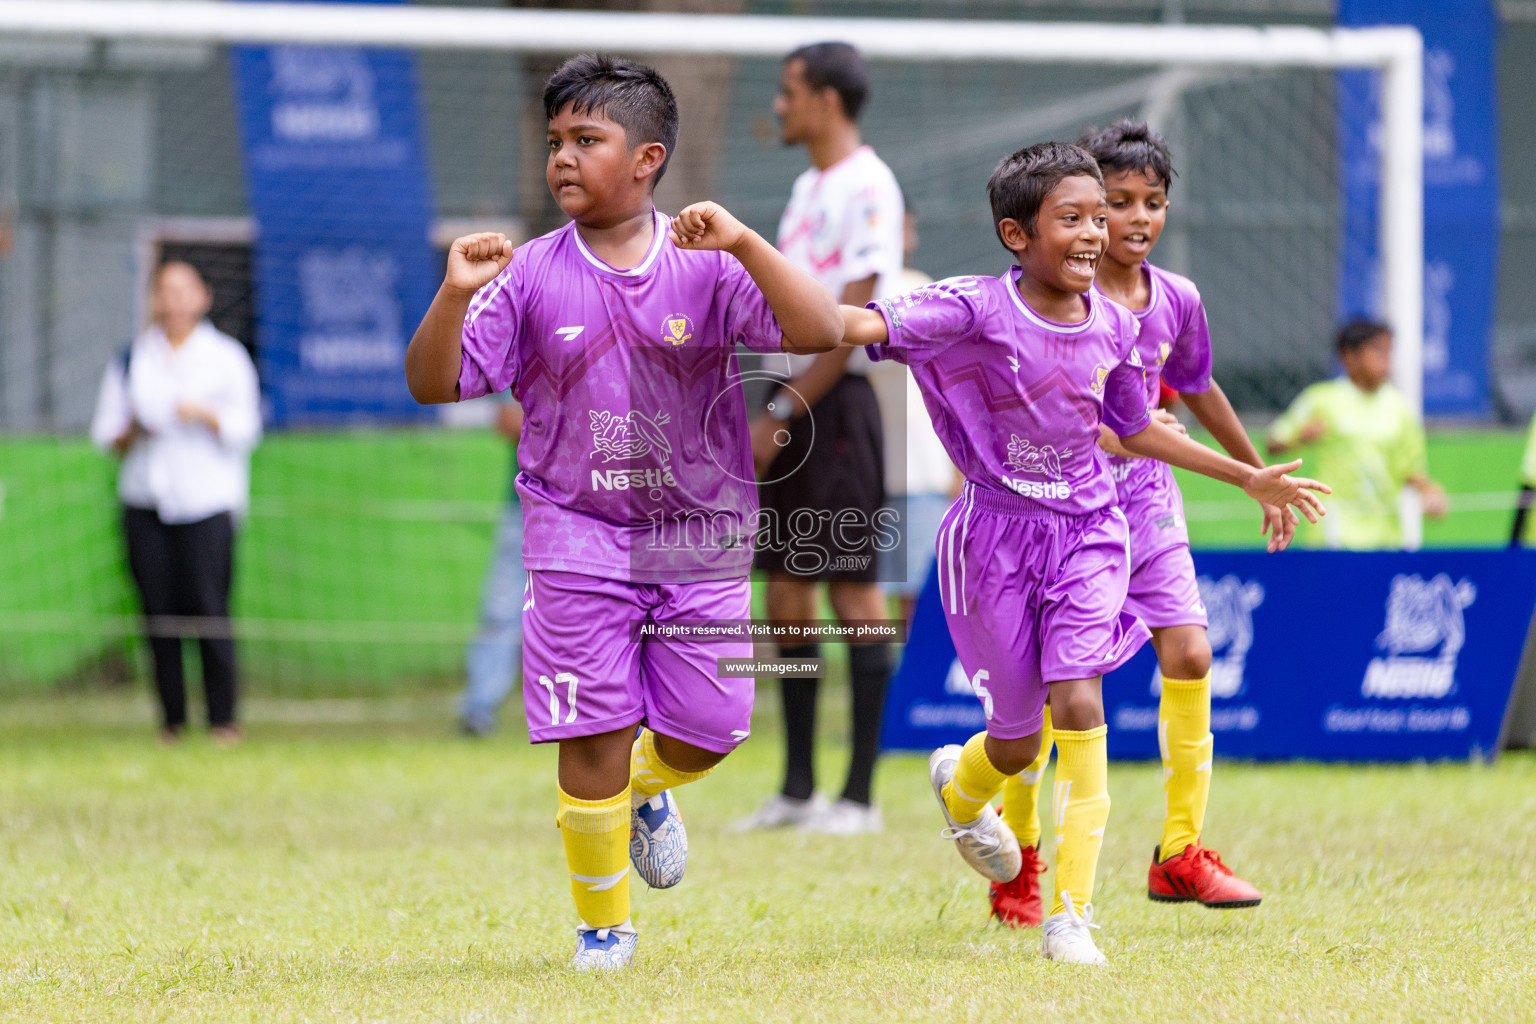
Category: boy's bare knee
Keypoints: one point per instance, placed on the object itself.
(1077, 705)
(683, 756)
(1184, 652)
(1013, 756)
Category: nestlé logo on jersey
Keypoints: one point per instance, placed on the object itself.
(624, 437)
(1024, 456)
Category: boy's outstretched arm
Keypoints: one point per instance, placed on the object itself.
(1216, 415)
(1269, 486)
(863, 326)
(436, 352)
(806, 311)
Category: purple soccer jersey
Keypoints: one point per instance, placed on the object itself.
(636, 462)
(1016, 398)
(1175, 345)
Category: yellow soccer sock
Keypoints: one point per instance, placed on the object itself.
(1021, 793)
(649, 774)
(1079, 811)
(1184, 737)
(975, 783)
(596, 835)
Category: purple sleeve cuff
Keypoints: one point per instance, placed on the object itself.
(1128, 427)
(472, 383)
(883, 351)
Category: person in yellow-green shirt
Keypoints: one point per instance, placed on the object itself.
(1365, 440)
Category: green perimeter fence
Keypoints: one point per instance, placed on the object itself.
(360, 566)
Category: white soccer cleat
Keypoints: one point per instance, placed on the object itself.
(658, 843)
(987, 844)
(605, 949)
(1067, 937)
(845, 818)
(781, 811)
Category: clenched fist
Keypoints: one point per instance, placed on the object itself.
(475, 260)
(707, 225)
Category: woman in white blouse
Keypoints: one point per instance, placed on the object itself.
(182, 408)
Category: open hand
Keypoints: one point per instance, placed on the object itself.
(475, 260)
(707, 225)
(1279, 524)
(1271, 486)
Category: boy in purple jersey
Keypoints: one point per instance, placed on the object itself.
(617, 333)
(1175, 346)
(1018, 373)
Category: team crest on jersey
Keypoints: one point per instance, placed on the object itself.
(1100, 375)
(1162, 353)
(677, 329)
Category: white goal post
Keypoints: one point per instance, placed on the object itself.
(1396, 51)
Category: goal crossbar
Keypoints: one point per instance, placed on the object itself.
(1396, 51)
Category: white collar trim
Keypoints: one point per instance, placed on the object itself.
(1011, 280)
(639, 269)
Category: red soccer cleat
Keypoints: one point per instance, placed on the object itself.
(1197, 875)
(1017, 903)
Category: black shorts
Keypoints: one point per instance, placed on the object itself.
(821, 495)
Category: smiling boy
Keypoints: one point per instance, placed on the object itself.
(1174, 346)
(617, 333)
(1018, 373)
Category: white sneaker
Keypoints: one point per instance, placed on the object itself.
(604, 949)
(658, 842)
(986, 844)
(845, 818)
(781, 810)
(1067, 937)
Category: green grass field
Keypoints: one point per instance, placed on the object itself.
(335, 869)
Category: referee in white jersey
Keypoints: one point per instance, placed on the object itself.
(819, 445)
(182, 409)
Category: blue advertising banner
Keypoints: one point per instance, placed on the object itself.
(1461, 190)
(1337, 656)
(339, 188)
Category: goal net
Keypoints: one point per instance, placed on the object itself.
(137, 131)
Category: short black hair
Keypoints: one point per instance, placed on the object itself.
(1022, 180)
(629, 93)
(1128, 146)
(1355, 334)
(839, 67)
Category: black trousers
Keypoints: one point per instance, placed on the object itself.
(183, 572)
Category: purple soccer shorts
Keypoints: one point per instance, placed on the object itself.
(1163, 590)
(1032, 597)
(585, 673)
